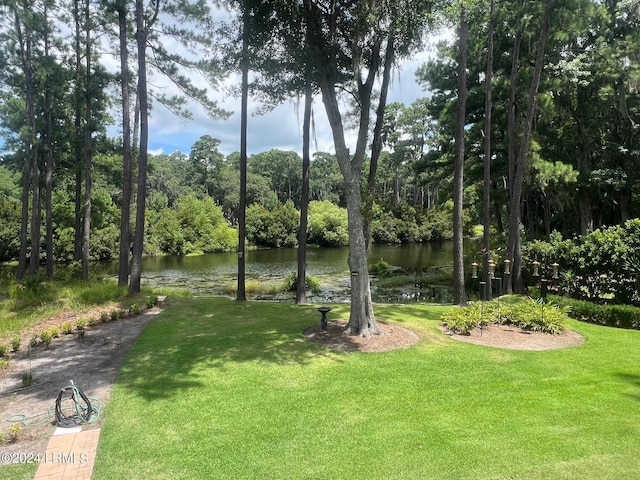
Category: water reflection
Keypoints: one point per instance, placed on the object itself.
(213, 274)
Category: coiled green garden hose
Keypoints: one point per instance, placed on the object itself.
(82, 408)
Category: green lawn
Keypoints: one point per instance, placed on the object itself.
(219, 389)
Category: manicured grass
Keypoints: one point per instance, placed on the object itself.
(19, 471)
(219, 389)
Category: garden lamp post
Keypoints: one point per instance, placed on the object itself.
(544, 283)
(507, 274)
(485, 285)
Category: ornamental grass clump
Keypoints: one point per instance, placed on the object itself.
(55, 331)
(46, 337)
(535, 316)
(527, 314)
(67, 328)
(463, 320)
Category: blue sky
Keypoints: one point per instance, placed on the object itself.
(280, 128)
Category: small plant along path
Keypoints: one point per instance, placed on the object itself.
(91, 361)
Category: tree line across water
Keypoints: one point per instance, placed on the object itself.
(193, 202)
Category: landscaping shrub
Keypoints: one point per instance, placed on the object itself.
(621, 316)
(534, 315)
(380, 268)
(152, 301)
(55, 331)
(46, 338)
(327, 224)
(291, 280)
(277, 227)
(463, 320)
(603, 265)
(527, 314)
(194, 226)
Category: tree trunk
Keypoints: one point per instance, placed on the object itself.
(512, 147)
(77, 224)
(48, 163)
(29, 177)
(88, 150)
(486, 188)
(498, 213)
(584, 167)
(460, 296)
(125, 216)
(24, 222)
(301, 287)
(361, 319)
(514, 240)
(376, 144)
(241, 294)
(138, 241)
(36, 216)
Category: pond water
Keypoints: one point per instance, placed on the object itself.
(214, 274)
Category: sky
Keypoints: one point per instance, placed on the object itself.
(278, 129)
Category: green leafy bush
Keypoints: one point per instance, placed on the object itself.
(603, 265)
(55, 331)
(290, 282)
(527, 314)
(327, 224)
(193, 226)
(380, 268)
(33, 290)
(15, 344)
(275, 227)
(621, 316)
(67, 328)
(152, 301)
(407, 224)
(534, 315)
(463, 320)
(46, 338)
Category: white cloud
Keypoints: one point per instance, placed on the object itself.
(277, 129)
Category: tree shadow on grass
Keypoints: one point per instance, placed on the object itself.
(192, 336)
(90, 362)
(633, 379)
